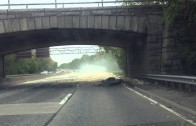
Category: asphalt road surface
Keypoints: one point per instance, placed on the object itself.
(89, 105)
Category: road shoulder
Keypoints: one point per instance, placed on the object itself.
(183, 111)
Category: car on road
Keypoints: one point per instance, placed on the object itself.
(44, 72)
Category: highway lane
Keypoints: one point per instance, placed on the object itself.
(33, 104)
(42, 93)
(111, 106)
(89, 105)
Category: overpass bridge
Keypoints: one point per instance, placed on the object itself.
(138, 29)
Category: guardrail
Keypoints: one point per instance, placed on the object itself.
(172, 78)
(100, 3)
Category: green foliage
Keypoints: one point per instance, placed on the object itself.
(179, 8)
(156, 2)
(171, 8)
(171, 11)
(28, 65)
(119, 54)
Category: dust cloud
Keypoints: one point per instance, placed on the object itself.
(108, 63)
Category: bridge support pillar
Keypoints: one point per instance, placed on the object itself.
(2, 70)
(136, 58)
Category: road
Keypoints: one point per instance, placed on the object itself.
(89, 105)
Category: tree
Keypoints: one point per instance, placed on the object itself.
(145, 2)
(119, 54)
(179, 8)
(28, 65)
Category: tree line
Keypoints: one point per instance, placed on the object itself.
(14, 65)
(112, 58)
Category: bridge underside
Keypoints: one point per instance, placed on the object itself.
(18, 41)
(133, 42)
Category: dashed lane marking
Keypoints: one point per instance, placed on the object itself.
(65, 99)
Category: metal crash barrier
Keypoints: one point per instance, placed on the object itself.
(184, 82)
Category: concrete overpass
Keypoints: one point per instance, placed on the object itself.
(138, 29)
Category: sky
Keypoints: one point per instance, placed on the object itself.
(66, 58)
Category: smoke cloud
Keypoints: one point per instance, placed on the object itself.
(106, 63)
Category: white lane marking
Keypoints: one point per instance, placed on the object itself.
(161, 105)
(65, 99)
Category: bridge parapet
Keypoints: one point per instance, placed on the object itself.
(118, 10)
(137, 18)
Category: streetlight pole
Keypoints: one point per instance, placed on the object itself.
(55, 3)
(102, 3)
(8, 4)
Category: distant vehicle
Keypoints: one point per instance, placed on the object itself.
(62, 71)
(44, 72)
(50, 72)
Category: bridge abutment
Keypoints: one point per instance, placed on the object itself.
(179, 47)
(154, 43)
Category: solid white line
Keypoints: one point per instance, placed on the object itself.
(161, 105)
(65, 99)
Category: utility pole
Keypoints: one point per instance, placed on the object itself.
(8, 4)
(55, 3)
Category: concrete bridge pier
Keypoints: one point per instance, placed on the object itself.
(2, 69)
(136, 58)
(129, 62)
(133, 61)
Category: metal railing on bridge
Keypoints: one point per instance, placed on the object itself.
(46, 52)
(56, 4)
(74, 50)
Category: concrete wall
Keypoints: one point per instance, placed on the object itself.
(176, 36)
(154, 43)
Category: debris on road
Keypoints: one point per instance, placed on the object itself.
(111, 81)
(130, 82)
